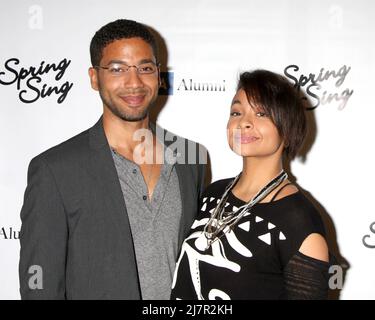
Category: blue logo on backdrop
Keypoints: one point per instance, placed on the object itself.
(166, 83)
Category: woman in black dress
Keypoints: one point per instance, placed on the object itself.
(256, 235)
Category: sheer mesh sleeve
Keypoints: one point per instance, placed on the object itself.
(306, 278)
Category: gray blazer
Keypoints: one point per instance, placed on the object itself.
(75, 224)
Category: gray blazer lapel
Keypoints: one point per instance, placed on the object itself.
(188, 200)
(104, 171)
(187, 184)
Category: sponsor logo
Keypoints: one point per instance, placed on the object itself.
(167, 85)
(29, 81)
(9, 233)
(322, 87)
(191, 85)
(368, 240)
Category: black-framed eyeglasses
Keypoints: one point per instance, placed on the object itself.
(122, 69)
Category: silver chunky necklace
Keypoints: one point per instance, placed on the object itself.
(222, 222)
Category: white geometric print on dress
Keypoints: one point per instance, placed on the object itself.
(245, 226)
(204, 207)
(216, 258)
(266, 238)
(281, 236)
(271, 225)
(216, 293)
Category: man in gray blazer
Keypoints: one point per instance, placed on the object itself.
(105, 212)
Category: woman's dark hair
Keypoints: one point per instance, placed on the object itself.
(275, 95)
(117, 30)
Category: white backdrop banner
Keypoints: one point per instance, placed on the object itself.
(324, 47)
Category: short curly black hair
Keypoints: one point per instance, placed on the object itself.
(274, 94)
(117, 30)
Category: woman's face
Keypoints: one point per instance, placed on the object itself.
(250, 131)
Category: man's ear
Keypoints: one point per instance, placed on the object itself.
(93, 74)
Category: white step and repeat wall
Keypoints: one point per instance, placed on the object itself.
(326, 47)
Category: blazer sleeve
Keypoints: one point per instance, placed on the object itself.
(43, 236)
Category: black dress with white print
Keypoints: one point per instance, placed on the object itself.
(258, 259)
